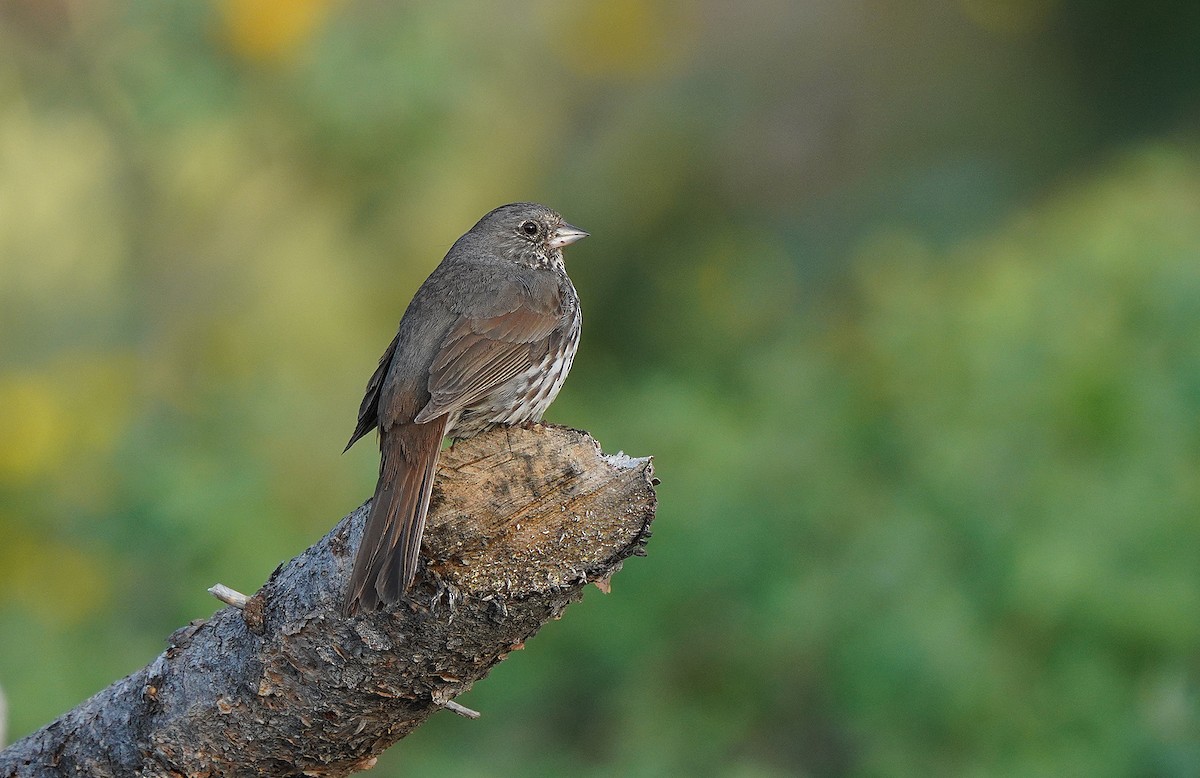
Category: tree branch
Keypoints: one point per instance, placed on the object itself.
(521, 521)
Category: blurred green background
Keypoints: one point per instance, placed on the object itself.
(903, 296)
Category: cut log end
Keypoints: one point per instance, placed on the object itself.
(535, 510)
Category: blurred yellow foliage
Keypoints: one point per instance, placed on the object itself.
(56, 171)
(271, 30)
(32, 429)
(622, 37)
(1011, 17)
(71, 583)
(75, 406)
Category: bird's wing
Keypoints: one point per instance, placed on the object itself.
(368, 412)
(481, 353)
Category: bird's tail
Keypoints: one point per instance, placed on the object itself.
(386, 561)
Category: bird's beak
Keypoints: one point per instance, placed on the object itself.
(566, 235)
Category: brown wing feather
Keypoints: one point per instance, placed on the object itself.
(481, 354)
(368, 411)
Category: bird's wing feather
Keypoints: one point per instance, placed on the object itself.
(368, 411)
(480, 354)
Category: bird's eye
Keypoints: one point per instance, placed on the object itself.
(530, 228)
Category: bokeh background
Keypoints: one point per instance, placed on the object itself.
(902, 295)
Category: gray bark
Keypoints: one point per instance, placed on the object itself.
(521, 521)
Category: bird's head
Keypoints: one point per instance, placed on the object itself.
(529, 233)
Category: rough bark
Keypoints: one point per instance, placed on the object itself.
(522, 520)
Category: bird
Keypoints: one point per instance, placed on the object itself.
(487, 340)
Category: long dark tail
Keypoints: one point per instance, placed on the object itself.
(386, 562)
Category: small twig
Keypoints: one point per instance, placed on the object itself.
(229, 596)
(461, 710)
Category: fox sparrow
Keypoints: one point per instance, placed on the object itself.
(487, 339)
